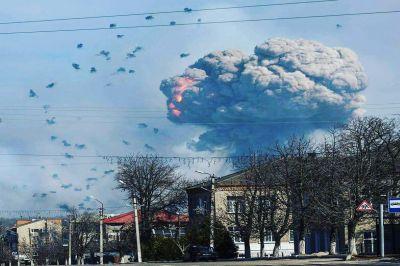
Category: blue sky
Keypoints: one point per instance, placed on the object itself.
(32, 61)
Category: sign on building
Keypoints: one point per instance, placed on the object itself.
(394, 205)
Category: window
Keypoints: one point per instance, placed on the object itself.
(235, 233)
(269, 237)
(234, 205)
(291, 235)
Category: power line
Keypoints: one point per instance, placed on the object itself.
(164, 12)
(206, 23)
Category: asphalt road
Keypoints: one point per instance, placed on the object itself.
(313, 261)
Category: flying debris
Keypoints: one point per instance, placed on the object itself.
(77, 189)
(183, 55)
(155, 130)
(52, 191)
(94, 169)
(142, 125)
(55, 176)
(80, 146)
(34, 195)
(108, 84)
(42, 167)
(172, 23)
(187, 9)
(51, 121)
(43, 195)
(79, 45)
(149, 17)
(93, 70)
(66, 186)
(121, 70)
(113, 25)
(134, 51)
(46, 108)
(68, 156)
(107, 172)
(294, 82)
(91, 179)
(126, 142)
(119, 36)
(150, 148)
(51, 85)
(105, 53)
(66, 143)
(64, 207)
(53, 138)
(32, 94)
(131, 71)
(76, 66)
(87, 199)
(87, 187)
(338, 26)
(199, 20)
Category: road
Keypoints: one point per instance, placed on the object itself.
(313, 261)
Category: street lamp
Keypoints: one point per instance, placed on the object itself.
(212, 206)
(101, 228)
(135, 205)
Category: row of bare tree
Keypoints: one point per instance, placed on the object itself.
(301, 185)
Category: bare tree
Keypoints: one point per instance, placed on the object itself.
(154, 183)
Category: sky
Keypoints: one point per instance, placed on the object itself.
(114, 113)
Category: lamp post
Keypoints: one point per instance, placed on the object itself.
(212, 206)
(135, 209)
(101, 228)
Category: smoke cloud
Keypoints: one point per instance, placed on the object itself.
(248, 101)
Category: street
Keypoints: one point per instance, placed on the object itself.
(311, 261)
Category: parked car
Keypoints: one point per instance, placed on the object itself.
(196, 253)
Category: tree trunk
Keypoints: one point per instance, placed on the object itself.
(277, 247)
(262, 236)
(247, 250)
(302, 239)
(351, 230)
(332, 241)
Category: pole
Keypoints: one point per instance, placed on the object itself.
(212, 212)
(101, 233)
(139, 251)
(70, 242)
(381, 231)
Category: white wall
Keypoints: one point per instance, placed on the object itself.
(286, 249)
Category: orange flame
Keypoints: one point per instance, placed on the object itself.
(182, 86)
(176, 112)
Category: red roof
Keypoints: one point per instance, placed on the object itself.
(162, 217)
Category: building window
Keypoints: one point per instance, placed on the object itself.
(291, 235)
(235, 233)
(234, 205)
(269, 237)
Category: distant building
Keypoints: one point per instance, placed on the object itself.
(226, 191)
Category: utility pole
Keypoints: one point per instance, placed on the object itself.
(212, 211)
(381, 231)
(139, 250)
(70, 242)
(101, 233)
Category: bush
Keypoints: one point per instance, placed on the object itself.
(223, 242)
(161, 248)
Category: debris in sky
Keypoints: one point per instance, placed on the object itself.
(80, 146)
(32, 94)
(155, 130)
(172, 23)
(113, 25)
(107, 172)
(34, 195)
(183, 55)
(42, 167)
(66, 143)
(121, 70)
(76, 66)
(87, 199)
(77, 189)
(43, 195)
(68, 156)
(199, 20)
(46, 108)
(108, 84)
(55, 176)
(338, 26)
(53, 138)
(93, 169)
(119, 36)
(286, 80)
(79, 45)
(66, 186)
(131, 71)
(126, 142)
(89, 179)
(150, 148)
(51, 121)
(142, 125)
(64, 207)
(52, 191)
(149, 17)
(87, 187)
(50, 85)
(93, 70)
(134, 51)
(105, 54)
(187, 9)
